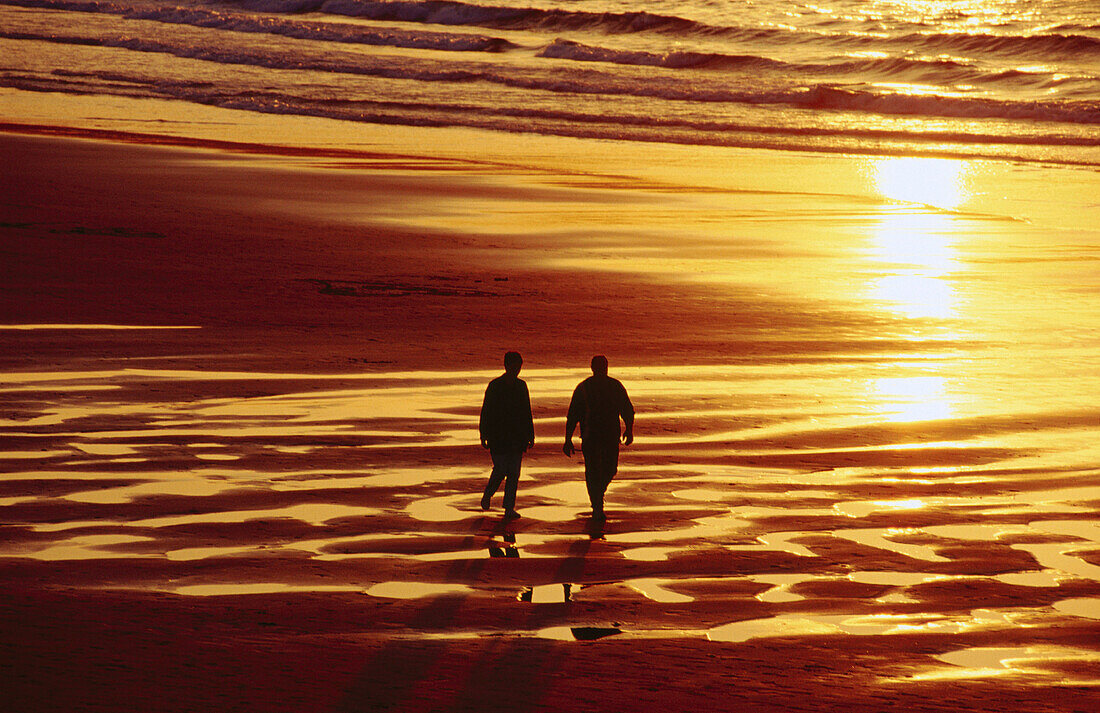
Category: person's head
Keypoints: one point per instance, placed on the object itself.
(512, 363)
(599, 365)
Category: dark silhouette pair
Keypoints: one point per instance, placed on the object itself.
(507, 430)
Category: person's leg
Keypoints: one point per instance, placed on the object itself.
(601, 461)
(599, 468)
(609, 461)
(495, 478)
(591, 480)
(511, 481)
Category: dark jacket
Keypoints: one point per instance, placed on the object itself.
(598, 403)
(506, 422)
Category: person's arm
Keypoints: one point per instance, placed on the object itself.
(626, 410)
(530, 419)
(485, 419)
(572, 418)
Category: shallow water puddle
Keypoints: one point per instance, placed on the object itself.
(479, 546)
(1060, 557)
(313, 513)
(552, 513)
(776, 542)
(107, 449)
(780, 626)
(648, 554)
(879, 538)
(705, 528)
(1083, 529)
(867, 625)
(186, 486)
(87, 547)
(1043, 578)
(863, 508)
(189, 554)
(895, 579)
(547, 594)
(73, 525)
(988, 662)
(654, 589)
(702, 495)
(780, 586)
(388, 478)
(781, 541)
(986, 532)
(577, 633)
(220, 590)
(416, 590)
(446, 508)
(1085, 608)
(33, 455)
(900, 580)
(984, 659)
(1068, 500)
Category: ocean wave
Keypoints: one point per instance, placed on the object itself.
(933, 72)
(675, 59)
(295, 29)
(334, 64)
(1060, 42)
(1048, 45)
(899, 103)
(835, 97)
(452, 12)
(945, 72)
(348, 108)
(941, 71)
(620, 124)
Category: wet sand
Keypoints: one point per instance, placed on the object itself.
(865, 473)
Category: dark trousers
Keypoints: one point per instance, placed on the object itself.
(601, 461)
(505, 470)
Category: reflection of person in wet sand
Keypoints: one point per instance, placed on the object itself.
(598, 403)
(507, 430)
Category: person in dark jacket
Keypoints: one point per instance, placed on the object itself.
(507, 430)
(597, 405)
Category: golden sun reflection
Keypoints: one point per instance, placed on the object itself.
(914, 246)
(935, 182)
(915, 240)
(913, 398)
(916, 295)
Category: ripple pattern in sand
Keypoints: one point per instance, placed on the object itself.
(756, 504)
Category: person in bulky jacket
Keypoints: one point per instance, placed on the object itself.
(507, 431)
(598, 403)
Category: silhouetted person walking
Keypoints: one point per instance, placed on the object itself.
(507, 430)
(597, 405)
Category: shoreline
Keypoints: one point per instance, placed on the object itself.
(114, 112)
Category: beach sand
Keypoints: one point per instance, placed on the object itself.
(865, 474)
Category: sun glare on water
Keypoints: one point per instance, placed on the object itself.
(913, 246)
(929, 181)
(913, 398)
(913, 264)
